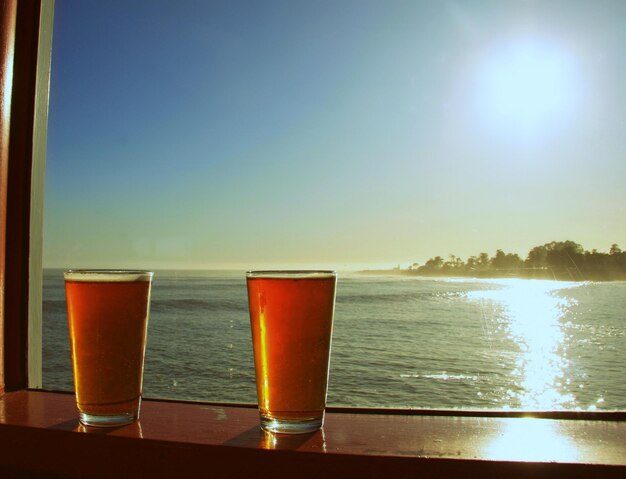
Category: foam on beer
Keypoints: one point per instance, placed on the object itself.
(107, 276)
(291, 274)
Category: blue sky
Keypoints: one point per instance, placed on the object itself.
(340, 134)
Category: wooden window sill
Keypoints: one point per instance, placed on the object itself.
(40, 435)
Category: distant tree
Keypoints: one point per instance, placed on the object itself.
(537, 257)
(615, 249)
(498, 261)
(471, 264)
(454, 264)
(435, 263)
(503, 260)
(564, 254)
(483, 260)
(556, 254)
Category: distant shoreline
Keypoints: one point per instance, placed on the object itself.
(557, 261)
(522, 273)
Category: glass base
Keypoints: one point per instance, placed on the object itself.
(291, 426)
(108, 420)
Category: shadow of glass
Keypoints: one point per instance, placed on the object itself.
(256, 437)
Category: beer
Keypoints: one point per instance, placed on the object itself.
(291, 318)
(107, 317)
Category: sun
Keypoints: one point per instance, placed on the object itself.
(527, 87)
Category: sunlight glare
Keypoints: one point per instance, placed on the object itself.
(531, 439)
(527, 88)
(533, 313)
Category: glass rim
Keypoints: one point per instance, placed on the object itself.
(291, 273)
(107, 275)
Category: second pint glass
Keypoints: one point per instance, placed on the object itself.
(291, 317)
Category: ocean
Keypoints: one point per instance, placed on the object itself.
(398, 341)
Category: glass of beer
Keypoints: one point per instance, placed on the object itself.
(291, 317)
(108, 319)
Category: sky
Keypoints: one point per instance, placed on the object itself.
(338, 134)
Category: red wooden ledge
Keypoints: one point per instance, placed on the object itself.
(40, 434)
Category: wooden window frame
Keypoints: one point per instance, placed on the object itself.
(39, 431)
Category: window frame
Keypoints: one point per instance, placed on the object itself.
(37, 428)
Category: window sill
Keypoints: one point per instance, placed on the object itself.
(40, 434)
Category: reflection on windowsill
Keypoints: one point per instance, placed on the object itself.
(532, 440)
(133, 429)
(316, 441)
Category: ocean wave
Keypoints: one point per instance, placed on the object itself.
(54, 306)
(196, 305)
(442, 377)
(378, 298)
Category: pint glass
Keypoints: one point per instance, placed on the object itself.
(108, 319)
(291, 317)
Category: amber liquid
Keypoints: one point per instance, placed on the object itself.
(108, 322)
(291, 322)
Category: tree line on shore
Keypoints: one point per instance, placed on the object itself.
(562, 260)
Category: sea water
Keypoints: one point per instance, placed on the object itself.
(398, 341)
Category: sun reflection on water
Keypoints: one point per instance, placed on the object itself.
(532, 315)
